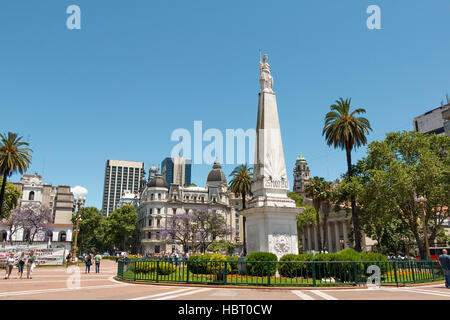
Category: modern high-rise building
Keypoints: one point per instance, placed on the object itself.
(434, 121)
(120, 176)
(177, 171)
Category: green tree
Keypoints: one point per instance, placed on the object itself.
(344, 130)
(222, 246)
(92, 230)
(299, 201)
(10, 199)
(120, 227)
(240, 184)
(14, 157)
(406, 166)
(315, 189)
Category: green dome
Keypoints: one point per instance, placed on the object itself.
(300, 159)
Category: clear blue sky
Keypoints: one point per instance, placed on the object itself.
(137, 70)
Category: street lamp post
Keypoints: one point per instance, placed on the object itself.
(421, 201)
(78, 203)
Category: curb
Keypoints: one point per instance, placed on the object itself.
(267, 288)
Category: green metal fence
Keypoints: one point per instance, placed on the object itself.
(281, 273)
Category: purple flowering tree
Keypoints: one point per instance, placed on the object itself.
(34, 219)
(199, 228)
(210, 225)
(180, 228)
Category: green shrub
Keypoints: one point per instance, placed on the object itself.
(198, 263)
(164, 268)
(261, 269)
(233, 265)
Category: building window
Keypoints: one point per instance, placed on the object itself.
(174, 211)
(151, 196)
(159, 196)
(158, 223)
(31, 195)
(159, 210)
(62, 236)
(150, 220)
(26, 235)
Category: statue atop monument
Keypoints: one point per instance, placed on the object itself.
(265, 78)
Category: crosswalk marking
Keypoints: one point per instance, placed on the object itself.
(161, 294)
(302, 295)
(182, 294)
(324, 295)
(18, 293)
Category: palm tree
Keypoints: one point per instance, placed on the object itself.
(240, 184)
(14, 157)
(342, 129)
(314, 190)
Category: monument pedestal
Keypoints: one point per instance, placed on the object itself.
(272, 229)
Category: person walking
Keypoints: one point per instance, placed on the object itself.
(97, 258)
(68, 259)
(444, 261)
(117, 257)
(9, 265)
(31, 263)
(88, 262)
(21, 264)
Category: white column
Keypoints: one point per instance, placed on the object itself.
(344, 226)
(336, 229)
(316, 241)
(309, 237)
(303, 239)
(321, 236)
(330, 245)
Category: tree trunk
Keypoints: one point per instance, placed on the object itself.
(355, 218)
(2, 194)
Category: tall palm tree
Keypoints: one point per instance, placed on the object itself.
(314, 190)
(343, 130)
(14, 157)
(240, 184)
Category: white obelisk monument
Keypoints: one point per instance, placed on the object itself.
(271, 217)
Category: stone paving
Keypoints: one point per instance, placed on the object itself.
(56, 284)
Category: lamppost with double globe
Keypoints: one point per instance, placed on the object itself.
(78, 203)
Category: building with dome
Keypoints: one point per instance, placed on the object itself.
(301, 175)
(160, 200)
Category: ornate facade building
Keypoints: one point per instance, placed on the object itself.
(159, 201)
(58, 198)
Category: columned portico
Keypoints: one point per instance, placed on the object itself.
(337, 237)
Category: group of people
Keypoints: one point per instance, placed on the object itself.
(89, 259)
(20, 261)
(398, 257)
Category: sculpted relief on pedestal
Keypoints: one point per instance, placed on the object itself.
(280, 243)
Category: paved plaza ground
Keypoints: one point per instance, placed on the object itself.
(51, 283)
